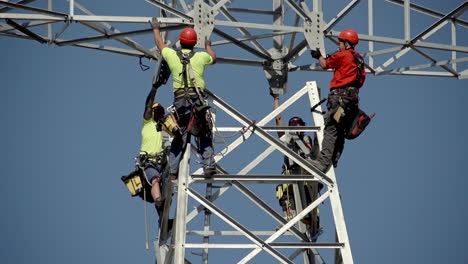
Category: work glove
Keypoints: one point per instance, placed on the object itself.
(155, 23)
(316, 54)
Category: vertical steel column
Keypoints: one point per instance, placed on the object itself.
(181, 210)
(300, 202)
(335, 200)
(407, 20)
(317, 5)
(454, 43)
(206, 239)
(49, 26)
(72, 8)
(278, 20)
(370, 21)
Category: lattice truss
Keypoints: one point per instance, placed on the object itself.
(301, 237)
(273, 36)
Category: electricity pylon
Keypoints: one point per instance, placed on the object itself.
(293, 26)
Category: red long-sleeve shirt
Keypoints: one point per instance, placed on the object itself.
(345, 69)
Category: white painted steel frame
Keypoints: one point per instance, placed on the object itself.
(182, 14)
(288, 228)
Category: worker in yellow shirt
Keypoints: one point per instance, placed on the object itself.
(152, 155)
(187, 68)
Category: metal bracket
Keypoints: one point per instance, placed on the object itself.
(277, 72)
(313, 31)
(203, 20)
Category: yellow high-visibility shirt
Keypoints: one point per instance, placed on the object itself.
(198, 62)
(151, 139)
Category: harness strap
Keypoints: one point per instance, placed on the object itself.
(359, 65)
(345, 91)
(158, 157)
(185, 60)
(186, 91)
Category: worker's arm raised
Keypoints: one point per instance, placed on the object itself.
(148, 114)
(278, 118)
(209, 50)
(157, 34)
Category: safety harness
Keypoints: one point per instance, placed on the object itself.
(200, 120)
(284, 192)
(185, 60)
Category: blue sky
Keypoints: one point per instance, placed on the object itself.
(71, 122)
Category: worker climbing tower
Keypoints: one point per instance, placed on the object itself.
(274, 37)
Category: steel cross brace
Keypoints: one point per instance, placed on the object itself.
(274, 142)
(229, 220)
(241, 139)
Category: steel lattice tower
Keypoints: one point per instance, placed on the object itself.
(294, 27)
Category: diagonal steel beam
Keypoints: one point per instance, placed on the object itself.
(423, 66)
(6, 9)
(253, 37)
(170, 9)
(242, 45)
(341, 15)
(274, 142)
(292, 53)
(32, 9)
(125, 40)
(16, 35)
(407, 48)
(287, 226)
(430, 12)
(219, 5)
(434, 61)
(29, 24)
(229, 220)
(241, 29)
(293, 36)
(436, 24)
(116, 35)
(224, 188)
(299, 11)
(183, 4)
(262, 122)
(253, 11)
(265, 207)
(127, 52)
(26, 31)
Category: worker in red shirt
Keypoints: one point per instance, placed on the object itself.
(343, 99)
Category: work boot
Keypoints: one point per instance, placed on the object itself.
(209, 171)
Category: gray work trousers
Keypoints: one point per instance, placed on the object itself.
(334, 132)
(184, 107)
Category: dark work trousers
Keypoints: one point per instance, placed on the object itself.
(204, 141)
(334, 133)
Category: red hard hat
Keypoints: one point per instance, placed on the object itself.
(188, 36)
(349, 35)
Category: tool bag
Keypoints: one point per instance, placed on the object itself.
(138, 185)
(358, 124)
(200, 120)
